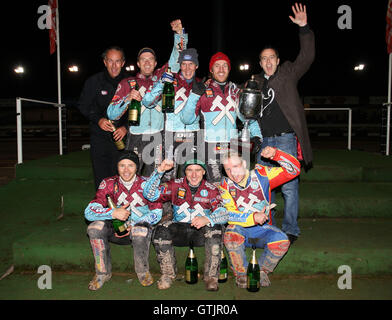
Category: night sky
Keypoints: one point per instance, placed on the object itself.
(240, 29)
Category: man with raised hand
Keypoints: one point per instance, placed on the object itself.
(151, 120)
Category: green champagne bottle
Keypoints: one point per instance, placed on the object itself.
(191, 267)
(223, 268)
(253, 273)
(120, 227)
(134, 110)
(120, 143)
(168, 96)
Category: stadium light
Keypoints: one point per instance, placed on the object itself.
(244, 67)
(73, 68)
(19, 70)
(359, 67)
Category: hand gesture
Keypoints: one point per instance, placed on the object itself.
(120, 133)
(199, 222)
(121, 213)
(105, 125)
(260, 217)
(268, 152)
(134, 95)
(176, 26)
(167, 77)
(300, 16)
(165, 165)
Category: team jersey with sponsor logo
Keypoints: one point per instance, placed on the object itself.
(182, 91)
(205, 202)
(219, 111)
(151, 120)
(242, 202)
(141, 209)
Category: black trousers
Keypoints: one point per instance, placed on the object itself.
(104, 155)
(170, 234)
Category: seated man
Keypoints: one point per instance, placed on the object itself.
(126, 191)
(198, 217)
(246, 195)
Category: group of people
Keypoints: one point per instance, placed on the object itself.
(196, 187)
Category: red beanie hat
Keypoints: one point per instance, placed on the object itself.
(219, 56)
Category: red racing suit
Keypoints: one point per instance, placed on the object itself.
(141, 209)
(205, 202)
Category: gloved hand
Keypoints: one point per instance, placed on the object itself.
(167, 77)
(198, 88)
(256, 144)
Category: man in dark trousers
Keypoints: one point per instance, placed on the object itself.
(93, 102)
(282, 120)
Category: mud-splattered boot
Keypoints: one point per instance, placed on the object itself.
(145, 279)
(167, 264)
(98, 281)
(211, 283)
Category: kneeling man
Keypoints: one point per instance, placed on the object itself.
(246, 195)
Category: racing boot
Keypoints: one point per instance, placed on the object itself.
(167, 264)
(98, 281)
(241, 281)
(145, 279)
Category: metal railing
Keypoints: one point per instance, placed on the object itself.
(19, 124)
(349, 120)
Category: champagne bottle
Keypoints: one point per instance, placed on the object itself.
(253, 273)
(223, 268)
(134, 110)
(168, 96)
(120, 227)
(119, 143)
(191, 267)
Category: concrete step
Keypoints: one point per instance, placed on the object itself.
(329, 166)
(316, 199)
(324, 245)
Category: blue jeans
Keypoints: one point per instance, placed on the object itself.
(290, 190)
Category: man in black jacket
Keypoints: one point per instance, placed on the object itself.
(97, 93)
(282, 121)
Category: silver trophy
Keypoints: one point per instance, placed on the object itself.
(250, 102)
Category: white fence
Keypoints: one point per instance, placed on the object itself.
(19, 124)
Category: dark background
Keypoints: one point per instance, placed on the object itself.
(238, 28)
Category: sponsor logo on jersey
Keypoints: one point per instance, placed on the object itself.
(204, 193)
(132, 83)
(181, 193)
(209, 93)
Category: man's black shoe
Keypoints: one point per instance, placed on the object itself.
(292, 238)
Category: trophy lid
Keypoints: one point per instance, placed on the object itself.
(252, 84)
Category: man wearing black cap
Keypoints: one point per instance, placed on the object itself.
(151, 120)
(180, 139)
(198, 217)
(126, 191)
